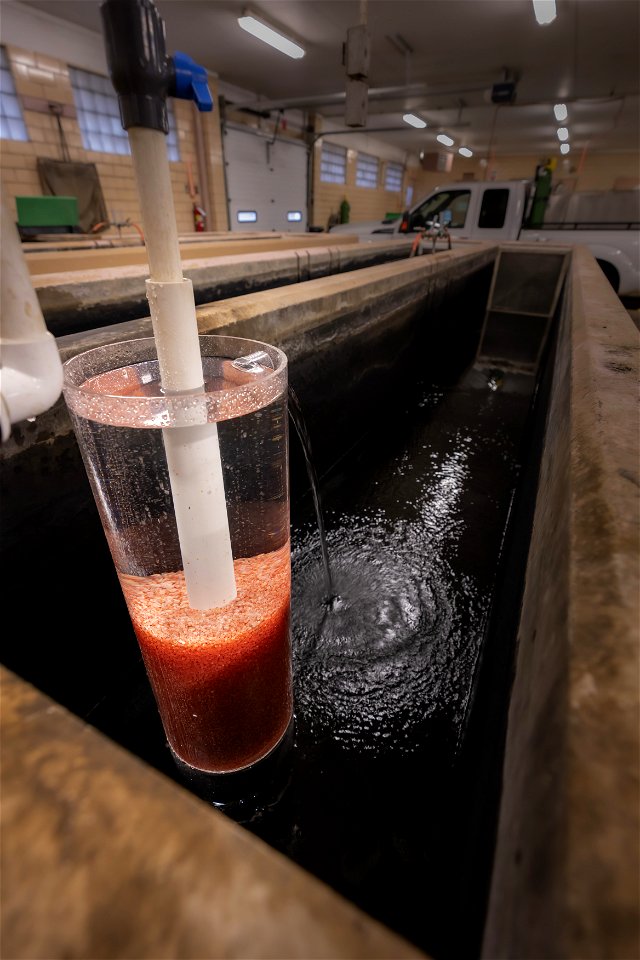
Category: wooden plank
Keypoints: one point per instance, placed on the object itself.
(64, 261)
(104, 857)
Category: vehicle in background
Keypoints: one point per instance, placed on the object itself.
(607, 222)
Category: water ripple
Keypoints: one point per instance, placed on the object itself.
(394, 649)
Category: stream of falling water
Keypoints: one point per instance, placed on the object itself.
(295, 412)
(385, 632)
(387, 627)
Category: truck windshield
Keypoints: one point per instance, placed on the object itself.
(455, 201)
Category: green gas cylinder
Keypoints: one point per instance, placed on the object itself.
(345, 210)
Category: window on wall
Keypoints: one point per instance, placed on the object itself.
(393, 176)
(11, 123)
(99, 116)
(367, 171)
(333, 163)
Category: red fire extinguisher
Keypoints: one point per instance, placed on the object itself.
(199, 219)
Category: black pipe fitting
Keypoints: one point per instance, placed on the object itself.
(141, 72)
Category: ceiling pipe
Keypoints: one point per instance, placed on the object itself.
(363, 131)
(335, 99)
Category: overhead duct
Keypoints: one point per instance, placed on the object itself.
(335, 99)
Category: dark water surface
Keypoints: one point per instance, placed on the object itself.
(415, 517)
(384, 673)
(393, 777)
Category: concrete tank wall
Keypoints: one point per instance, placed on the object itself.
(209, 888)
(565, 874)
(88, 298)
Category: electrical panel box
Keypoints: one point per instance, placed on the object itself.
(503, 93)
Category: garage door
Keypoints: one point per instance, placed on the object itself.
(266, 183)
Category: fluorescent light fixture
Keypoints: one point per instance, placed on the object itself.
(563, 133)
(564, 148)
(414, 121)
(443, 138)
(465, 152)
(258, 28)
(545, 11)
(561, 112)
(247, 216)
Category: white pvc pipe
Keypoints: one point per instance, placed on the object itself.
(151, 166)
(193, 452)
(31, 374)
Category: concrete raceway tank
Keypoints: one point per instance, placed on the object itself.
(440, 759)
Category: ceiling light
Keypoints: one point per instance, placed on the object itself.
(258, 28)
(563, 133)
(545, 11)
(564, 148)
(560, 111)
(443, 138)
(414, 121)
(465, 152)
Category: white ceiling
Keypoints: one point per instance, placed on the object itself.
(588, 58)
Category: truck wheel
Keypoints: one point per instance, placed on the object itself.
(610, 273)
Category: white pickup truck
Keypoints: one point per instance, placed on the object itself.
(607, 223)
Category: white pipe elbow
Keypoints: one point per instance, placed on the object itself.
(30, 365)
(30, 379)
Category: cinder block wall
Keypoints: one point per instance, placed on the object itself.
(40, 80)
(581, 173)
(366, 203)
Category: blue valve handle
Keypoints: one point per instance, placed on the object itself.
(191, 82)
(141, 72)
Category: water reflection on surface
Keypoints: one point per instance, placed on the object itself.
(384, 671)
(412, 563)
(372, 666)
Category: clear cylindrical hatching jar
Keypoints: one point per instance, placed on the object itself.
(221, 674)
